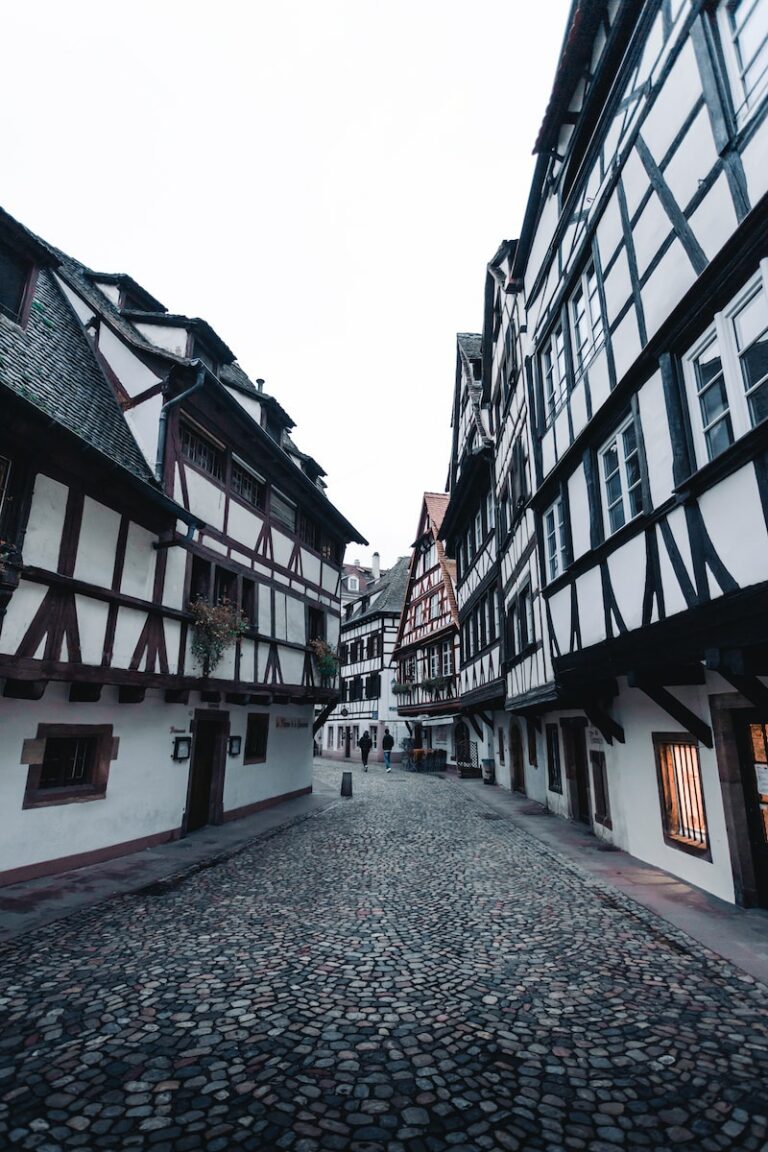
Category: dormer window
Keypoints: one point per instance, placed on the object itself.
(353, 584)
(15, 271)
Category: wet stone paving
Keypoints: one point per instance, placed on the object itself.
(404, 971)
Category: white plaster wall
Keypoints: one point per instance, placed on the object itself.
(627, 571)
(714, 221)
(658, 446)
(139, 564)
(609, 232)
(330, 578)
(134, 375)
(175, 569)
(97, 544)
(282, 548)
(146, 792)
(291, 665)
(618, 286)
(634, 792)
(650, 232)
(672, 278)
(249, 403)
(579, 505)
(288, 766)
(164, 336)
(243, 525)
(673, 103)
(560, 610)
(205, 499)
(755, 167)
(92, 624)
(46, 521)
(745, 554)
(310, 566)
(144, 421)
(589, 591)
(626, 343)
(129, 625)
(24, 602)
(692, 161)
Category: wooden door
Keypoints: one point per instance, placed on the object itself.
(753, 741)
(206, 775)
(575, 747)
(516, 758)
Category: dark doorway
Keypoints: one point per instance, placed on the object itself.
(516, 758)
(347, 742)
(575, 747)
(753, 747)
(461, 739)
(206, 776)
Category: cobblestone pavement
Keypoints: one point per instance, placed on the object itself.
(406, 971)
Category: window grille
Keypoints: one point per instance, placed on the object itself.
(248, 486)
(682, 796)
(554, 770)
(201, 452)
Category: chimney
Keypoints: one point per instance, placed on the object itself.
(375, 566)
(260, 385)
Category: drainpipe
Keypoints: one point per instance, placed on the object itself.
(162, 430)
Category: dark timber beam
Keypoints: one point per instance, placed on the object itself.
(476, 726)
(603, 721)
(321, 717)
(750, 687)
(678, 711)
(668, 676)
(130, 694)
(486, 719)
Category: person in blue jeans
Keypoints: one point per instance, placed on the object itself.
(387, 744)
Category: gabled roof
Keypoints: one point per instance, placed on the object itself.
(388, 594)
(433, 507)
(470, 343)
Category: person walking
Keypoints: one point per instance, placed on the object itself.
(388, 744)
(364, 744)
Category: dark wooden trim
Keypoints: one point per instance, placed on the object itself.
(84, 859)
(70, 534)
(634, 276)
(670, 704)
(685, 233)
(602, 720)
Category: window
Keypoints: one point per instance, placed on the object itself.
(511, 631)
(600, 791)
(343, 651)
(553, 373)
(525, 618)
(554, 771)
(282, 510)
(374, 733)
(680, 789)
(248, 486)
(482, 621)
(315, 624)
(248, 601)
(501, 745)
(224, 586)
(201, 452)
(200, 579)
(586, 319)
(418, 614)
(492, 631)
(434, 607)
(309, 532)
(621, 478)
(470, 546)
(68, 762)
(256, 733)
(434, 660)
(447, 658)
(478, 530)
(727, 373)
(554, 540)
(373, 686)
(14, 277)
(744, 32)
(490, 518)
(353, 584)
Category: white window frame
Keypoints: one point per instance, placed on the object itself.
(555, 547)
(723, 330)
(434, 661)
(490, 510)
(626, 490)
(434, 606)
(744, 101)
(353, 584)
(553, 373)
(588, 289)
(447, 658)
(478, 529)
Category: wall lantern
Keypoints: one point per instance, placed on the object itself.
(234, 744)
(182, 747)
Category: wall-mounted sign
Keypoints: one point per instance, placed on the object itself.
(289, 722)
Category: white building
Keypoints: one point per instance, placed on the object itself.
(366, 702)
(637, 297)
(141, 469)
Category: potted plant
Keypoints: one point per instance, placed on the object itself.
(401, 687)
(326, 658)
(214, 628)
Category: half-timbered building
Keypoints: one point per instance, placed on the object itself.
(469, 532)
(141, 471)
(639, 288)
(367, 639)
(426, 647)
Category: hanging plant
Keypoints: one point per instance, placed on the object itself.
(435, 683)
(215, 627)
(326, 658)
(402, 687)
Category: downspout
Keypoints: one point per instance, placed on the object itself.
(162, 429)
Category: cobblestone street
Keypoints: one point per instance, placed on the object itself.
(405, 971)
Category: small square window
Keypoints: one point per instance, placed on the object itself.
(68, 762)
(256, 738)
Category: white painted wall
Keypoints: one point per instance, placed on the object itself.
(288, 766)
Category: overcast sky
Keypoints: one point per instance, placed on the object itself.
(324, 181)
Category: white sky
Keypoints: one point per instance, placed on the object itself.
(323, 181)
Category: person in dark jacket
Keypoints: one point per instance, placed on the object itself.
(364, 744)
(387, 745)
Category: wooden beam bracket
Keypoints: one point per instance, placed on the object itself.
(679, 712)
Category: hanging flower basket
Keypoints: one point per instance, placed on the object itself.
(215, 627)
(326, 659)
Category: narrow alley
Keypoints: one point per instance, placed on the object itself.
(406, 971)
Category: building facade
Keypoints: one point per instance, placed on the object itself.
(366, 701)
(426, 647)
(142, 473)
(636, 299)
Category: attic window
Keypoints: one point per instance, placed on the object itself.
(14, 277)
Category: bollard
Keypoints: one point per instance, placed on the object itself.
(346, 783)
